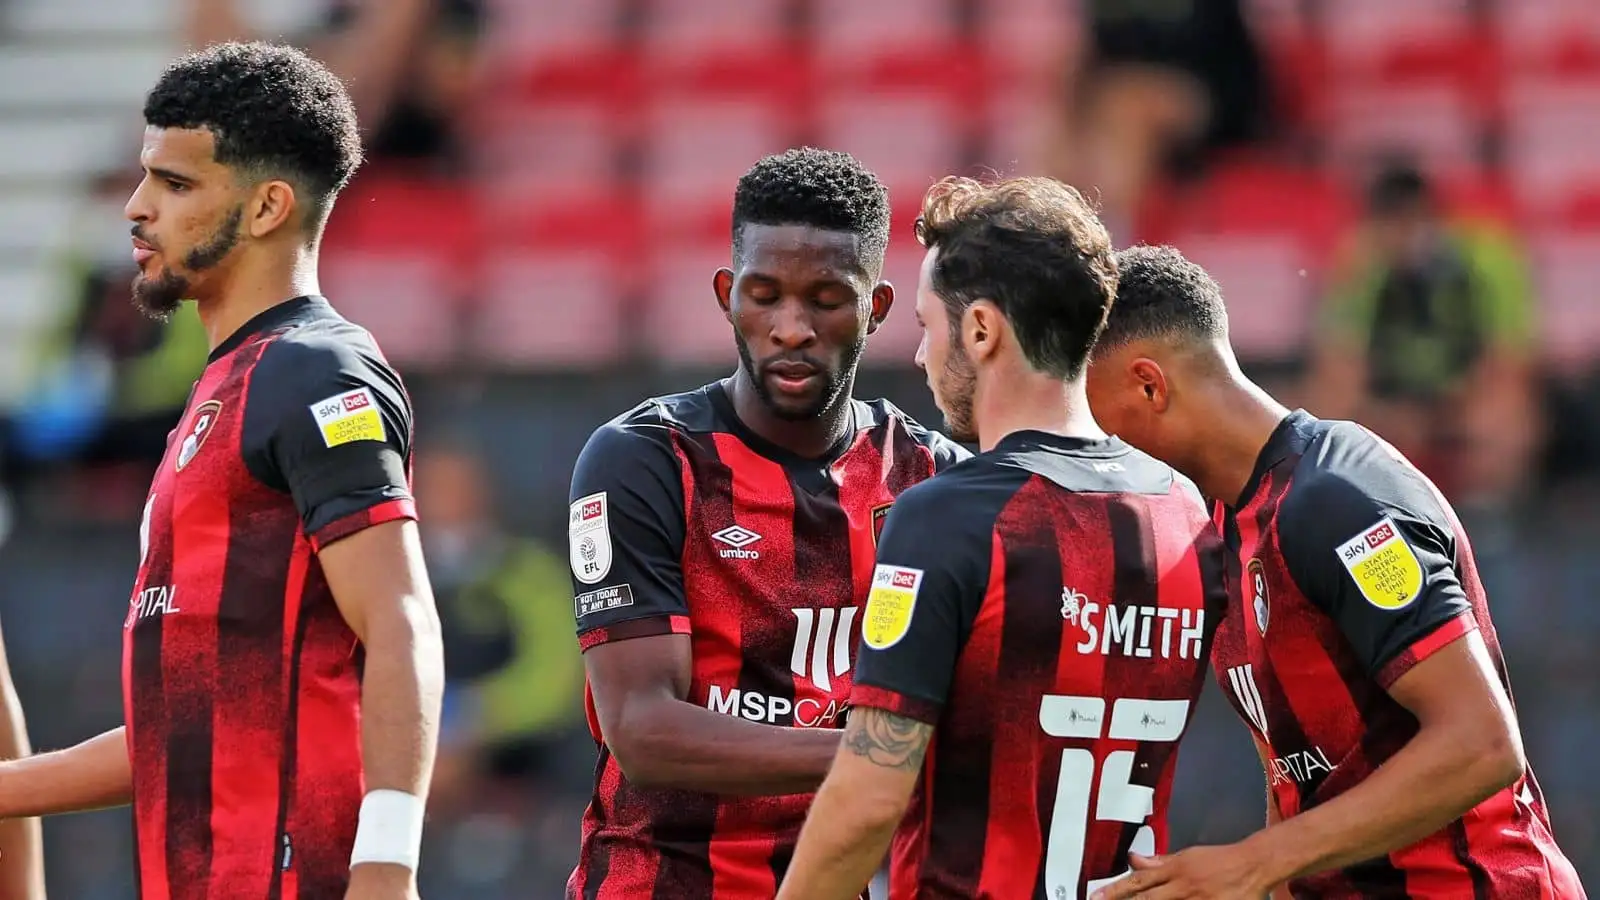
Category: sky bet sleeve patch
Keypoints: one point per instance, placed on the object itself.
(351, 416)
(1383, 565)
(889, 605)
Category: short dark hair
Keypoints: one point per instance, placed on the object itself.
(824, 189)
(1036, 249)
(1163, 294)
(274, 112)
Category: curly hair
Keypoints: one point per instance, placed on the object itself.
(1035, 248)
(1162, 294)
(825, 189)
(274, 113)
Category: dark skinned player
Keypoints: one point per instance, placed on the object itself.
(722, 543)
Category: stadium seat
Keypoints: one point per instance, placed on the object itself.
(848, 30)
(906, 139)
(1568, 268)
(1550, 128)
(60, 78)
(1437, 124)
(1550, 35)
(696, 150)
(1031, 39)
(680, 322)
(1386, 36)
(1017, 133)
(526, 149)
(33, 222)
(528, 28)
(700, 29)
(1265, 281)
(549, 308)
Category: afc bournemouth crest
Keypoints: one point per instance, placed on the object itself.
(205, 419)
(1255, 581)
(880, 514)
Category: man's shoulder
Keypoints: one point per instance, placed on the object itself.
(1347, 469)
(881, 413)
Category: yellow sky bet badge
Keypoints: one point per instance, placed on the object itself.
(347, 417)
(889, 605)
(1383, 565)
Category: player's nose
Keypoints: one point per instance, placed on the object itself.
(792, 325)
(138, 207)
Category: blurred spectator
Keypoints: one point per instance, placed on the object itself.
(111, 382)
(1428, 339)
(410, 64)
(1164, 85)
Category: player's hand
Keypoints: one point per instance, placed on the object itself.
(1229, 872)
(377, 881)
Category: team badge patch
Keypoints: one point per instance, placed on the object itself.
(1383, 565)
(880, 515)
(889, 605)
(589, 540)
(1255, 580)
(347, 417)
(205, 419)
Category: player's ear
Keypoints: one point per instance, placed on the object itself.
(882, 300)
(981, 327)
(271, 206)
(722, 284)
(1151, 381)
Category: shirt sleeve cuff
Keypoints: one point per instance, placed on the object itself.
(924, 711)
(377, 514)
(1445, 634)
(650, 626)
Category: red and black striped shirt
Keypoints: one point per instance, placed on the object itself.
(1048, 607)
(1354, 569)
(683, 521)
(241, 681)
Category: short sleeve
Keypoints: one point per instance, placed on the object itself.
(926, 591)
(1384, 571)
(330, 423)
(625, 531)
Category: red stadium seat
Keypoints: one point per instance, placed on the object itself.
(696, 150)
(851, 29)
(525, 28)
(1550, 128)
(1568, 268)
(549, 308)
(528, 149)
(1550, 35)
(689, 29)
(1265, 282)
(1438, 124)
(1409, 36)
(908, 139)
(1031, 38)
(680, 322)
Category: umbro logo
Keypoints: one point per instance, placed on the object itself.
(737, 538)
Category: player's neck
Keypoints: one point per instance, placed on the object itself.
(1239, 419)
(251, 290)
(807, 438)
(1031, 402)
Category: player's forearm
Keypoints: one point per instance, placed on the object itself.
(92, 775)
(844, 840)
(402, 690)
(1438, 776)
(674, 744)
(22, 856)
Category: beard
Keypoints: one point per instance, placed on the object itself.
(159, 297)
(957, 383)
(834, 381)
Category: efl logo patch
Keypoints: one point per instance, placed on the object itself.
(890, 604)
(205, 418)
(347, 417)
(589, 539)
(880, 515)
(1383, 565)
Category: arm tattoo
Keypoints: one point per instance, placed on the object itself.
(887, 739)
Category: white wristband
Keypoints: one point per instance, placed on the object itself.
(389, 830)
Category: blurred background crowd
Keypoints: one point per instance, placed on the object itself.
(1401, 201)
